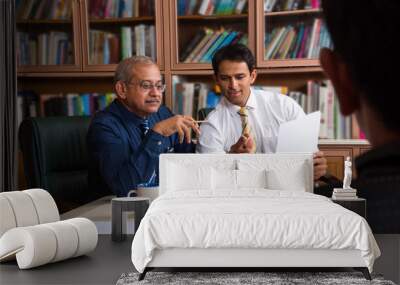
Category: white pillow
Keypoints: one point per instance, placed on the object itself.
(294, 179)
(251, 178)
(224, 179)
(182, 177)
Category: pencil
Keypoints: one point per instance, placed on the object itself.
(203, 121)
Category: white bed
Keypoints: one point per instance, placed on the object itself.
(229, 211)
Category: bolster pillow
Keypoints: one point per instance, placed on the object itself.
(40, 244)
(26, 208)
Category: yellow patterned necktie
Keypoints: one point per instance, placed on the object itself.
(246, 128)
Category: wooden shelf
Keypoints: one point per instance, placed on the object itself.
(65, 74)
(44, 22)
(357, 142)
(292, 63)
(294, 13)
(291, 70)
(193, 72)
(120, 20)
(212, 17)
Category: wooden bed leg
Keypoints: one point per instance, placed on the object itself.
(364, 271)
(142, 275)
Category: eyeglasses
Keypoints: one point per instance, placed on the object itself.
(147, 86)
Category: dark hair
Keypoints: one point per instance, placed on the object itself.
(235, 52)
(364, 34)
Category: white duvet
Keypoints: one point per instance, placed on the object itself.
(251, 218)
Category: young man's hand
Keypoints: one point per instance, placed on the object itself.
(180, 124)
(243, 145)
(320, 165)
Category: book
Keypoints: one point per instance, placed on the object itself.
(188, 94)
(153, 49)
(43, 98)
(177, 97)
(27, 105)
(355, 128)
(196, 95)
(330, 124)
(286, 43)
(192, 7)
(205, 48)
(203, 7)
(202, 100)
(334, 197)
(228, 39)
(200, 45)
(192, 45)
(140, 39)
(348, 193)
(70, 103)
(269, 5)
(300, 35)
(304, 42)
(274, 89)
(274, 42)
(280, 42)
(114, 48)
(292, 44)
(341, 191)
(240, 5)
(214, 47)
(126, 42)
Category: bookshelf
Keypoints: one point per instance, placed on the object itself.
(290, 35)
(197, 32)
(48, 36)
(176, 24)
(92, 35)
(110, 35)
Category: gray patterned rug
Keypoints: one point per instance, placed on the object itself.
(228, 278)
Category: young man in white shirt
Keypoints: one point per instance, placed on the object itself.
(224, 131)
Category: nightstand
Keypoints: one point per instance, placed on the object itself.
(357, 205)
(138, 205)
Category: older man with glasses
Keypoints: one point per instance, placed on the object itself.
(125, 140)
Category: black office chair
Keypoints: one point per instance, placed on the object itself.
(55, 158)
(203, 113)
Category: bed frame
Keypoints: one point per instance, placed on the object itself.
(246, 258)
(243, 259)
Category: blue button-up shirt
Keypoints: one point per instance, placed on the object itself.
(120, 156)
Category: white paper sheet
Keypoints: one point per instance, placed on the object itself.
(300, 135)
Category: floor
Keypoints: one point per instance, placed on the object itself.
(388, 264)
(95, 268)
(110, 259)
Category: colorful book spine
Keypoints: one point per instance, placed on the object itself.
(207, 57)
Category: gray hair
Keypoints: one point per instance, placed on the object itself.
(124, 68)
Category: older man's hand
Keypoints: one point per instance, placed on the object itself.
(178, 124)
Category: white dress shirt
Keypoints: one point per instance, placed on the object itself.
(266, 111)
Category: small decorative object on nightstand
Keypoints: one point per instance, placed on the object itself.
(345, 193)
(139, 205)
(347, 196)
(357, 205)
